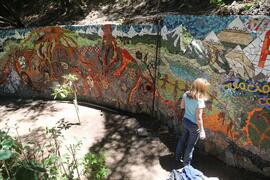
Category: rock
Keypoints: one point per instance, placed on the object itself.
(229, 158)
(266, 171)
(234, 3)
(142, 132)
(237, 8)
(163, 130)
(245, 162)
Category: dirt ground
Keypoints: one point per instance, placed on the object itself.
(133, 146)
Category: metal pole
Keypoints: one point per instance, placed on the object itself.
(157, 59)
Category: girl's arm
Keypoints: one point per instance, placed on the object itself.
(199, 114)
(183, 103)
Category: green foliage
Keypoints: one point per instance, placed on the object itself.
(247, 6)
(50, 164)
(5, 154)
(67, 88)
(30, 170)
(217, 2)
(9, 143)
(15, 162)
(10, 150)
(11, 163)
(96, 164)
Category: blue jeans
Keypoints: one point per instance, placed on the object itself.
(187, 141)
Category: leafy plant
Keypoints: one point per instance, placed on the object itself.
(68, 89)
(217, 2)
(10, 150)
(30, 170)
(247, 6)
(50, 162)
(97, 166)
(68, 166)
(12, 165)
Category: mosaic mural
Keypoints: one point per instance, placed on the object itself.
(113, 64)
(125, 66)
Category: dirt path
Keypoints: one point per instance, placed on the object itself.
(128, 155)
(131, 152)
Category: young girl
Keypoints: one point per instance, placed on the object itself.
(192, 103)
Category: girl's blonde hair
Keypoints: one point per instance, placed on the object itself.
(199, 89)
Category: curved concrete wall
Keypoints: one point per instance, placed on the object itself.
(147, 68)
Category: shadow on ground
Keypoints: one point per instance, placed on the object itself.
(31, 108)
(127, 148)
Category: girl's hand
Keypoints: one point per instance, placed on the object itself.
(202, 134)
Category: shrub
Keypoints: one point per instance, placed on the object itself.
(12, 162)
(94, 166)
(15, 162)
